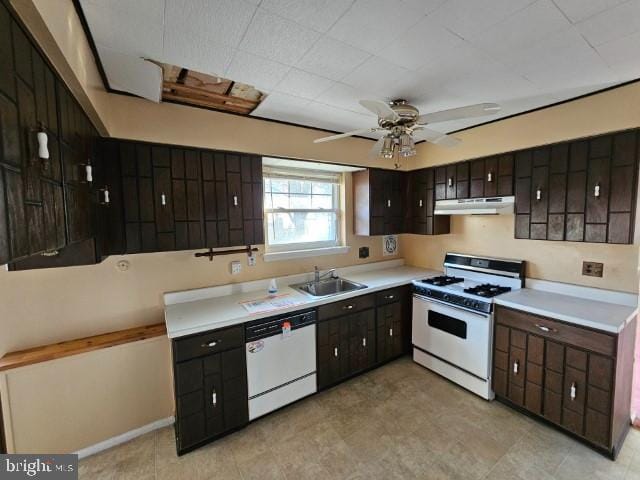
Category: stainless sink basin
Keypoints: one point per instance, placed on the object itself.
(330, 286)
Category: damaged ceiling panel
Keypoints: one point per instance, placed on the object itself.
(200, 89)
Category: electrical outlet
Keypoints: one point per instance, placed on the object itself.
(251, 260)
(363, 252)
(592, 269)
(236, 267)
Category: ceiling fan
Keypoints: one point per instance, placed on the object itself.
(405, 126)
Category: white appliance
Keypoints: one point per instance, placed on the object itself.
(281, 361)
(475, 206)
(452, 330)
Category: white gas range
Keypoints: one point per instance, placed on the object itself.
(453, 317)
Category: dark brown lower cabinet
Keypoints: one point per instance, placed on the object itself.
(210, 382)
(576, 378)
(393, 323)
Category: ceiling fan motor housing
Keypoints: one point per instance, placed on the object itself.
(408, 115)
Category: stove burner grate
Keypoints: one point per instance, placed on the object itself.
(443, 280)
(487, 290)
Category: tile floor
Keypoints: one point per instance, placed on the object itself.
(399, 421)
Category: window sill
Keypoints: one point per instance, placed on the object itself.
(312, 252)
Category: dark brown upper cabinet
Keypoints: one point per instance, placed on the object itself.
(421, 202)
(379, 202)
(580, 191)
(45, 204)
(179, 198)
(491, 177)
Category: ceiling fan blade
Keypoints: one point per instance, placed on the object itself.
(377, 148)
(344, 135)
(437, 138)
(469, 111)
(381, 109)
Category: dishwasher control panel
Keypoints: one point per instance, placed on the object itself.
(267, 327)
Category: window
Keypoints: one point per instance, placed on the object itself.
(302, 208)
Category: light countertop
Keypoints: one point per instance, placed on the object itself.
(222, 311)
(605, 316)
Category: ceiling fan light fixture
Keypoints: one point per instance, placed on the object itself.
(407, 147)
(387, 147)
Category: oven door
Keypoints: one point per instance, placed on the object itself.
(457, 336)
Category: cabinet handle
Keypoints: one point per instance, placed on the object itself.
(235, 200)
(105, 196)
(389, 297)
(389, 203)
(210, 344)
(489, 177)
(391, 332)
(364, 341)
(348, 307)
(545, 328)
(596, 190)
(335, 351)
(516, 367)
(214, 398)
(450, 182)
(420, 203)
(538, 194)
(573, 391)
(88, 172)
(163, 199)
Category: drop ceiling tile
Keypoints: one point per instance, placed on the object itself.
(133, 31)
(425, 6)
(379, 76)
(319, 15)
(336, 119)
(579, 10)
(276, 38)
(257, 71)
(331, 58)
(612, 24)
(372, 24)
(467, 19)
(346, 97)
(426, 42)
(220, 21)
(188, 49)
(522, 29)
(129, 73)
(622, 56)
(286, 108)
(303, 84)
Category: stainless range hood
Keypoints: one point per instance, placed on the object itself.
(475, 206)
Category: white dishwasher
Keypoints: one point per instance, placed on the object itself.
(281, 361)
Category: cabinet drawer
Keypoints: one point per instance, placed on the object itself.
(389, 296)
(558, 331)
(208, 343)
(346, 306)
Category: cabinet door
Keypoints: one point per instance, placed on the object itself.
(553, 381)
(540, 194)
(362, 348)
(624, 178)
(517, 366)
(576, 190)
(534, 374)
(462, 180)
(440, 183)
(389, 323)
(478, 186)
(558, 168)
(187, 201)
(451, 182)
(333, 351)
(597, 201)
(505, 175)
(234, 200)
(523, 194)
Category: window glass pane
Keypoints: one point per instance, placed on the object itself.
(301, 227)
(300, 201)
(299, 186)
(322, 188)
(279, 186)
(322, 201)
(280, 200)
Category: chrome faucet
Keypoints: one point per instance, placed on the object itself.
(317, 275)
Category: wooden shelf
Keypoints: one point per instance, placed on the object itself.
(54, 351)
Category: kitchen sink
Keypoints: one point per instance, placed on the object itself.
(330, 286)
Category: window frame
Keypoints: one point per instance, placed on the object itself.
(336, 210)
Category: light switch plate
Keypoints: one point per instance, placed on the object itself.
(592, 269)
(236, 267)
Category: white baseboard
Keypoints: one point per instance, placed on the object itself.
(125, 437)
